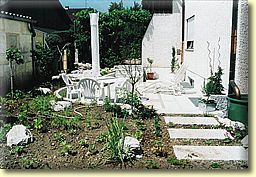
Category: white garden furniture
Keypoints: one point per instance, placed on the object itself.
(89, 90)
(72, 87)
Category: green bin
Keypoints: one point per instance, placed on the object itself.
(238, 108)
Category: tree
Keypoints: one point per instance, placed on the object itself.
(115, 5)
(13, 55)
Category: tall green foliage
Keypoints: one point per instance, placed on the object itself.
(120, 34)
(214, 84)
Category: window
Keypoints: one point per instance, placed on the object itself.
(12, 41)
(190, 33)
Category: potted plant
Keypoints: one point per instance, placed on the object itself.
(213, 87)
(150, 75)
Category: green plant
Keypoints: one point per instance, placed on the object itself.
(214, 85)
(42, 103)
(72, 131)
(150, 164)
(208, 143)
(102, 137)
(83, 143)
(174, 60)
(17, 149)
(38, 124)
(159, 149)
(170, 124)
(28, 163)
(194, 127)
(150, 61)
(13, 55)
(59, 137)
(23, 117)
(188, 142)
(92, 148)
(215, 165)
(115, 140)
(138, 135)
(4, 130)
(157, 126)
(67, 148)
(174, 161)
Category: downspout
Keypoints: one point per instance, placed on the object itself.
(32, 30)
(233, 43)
(183, 31)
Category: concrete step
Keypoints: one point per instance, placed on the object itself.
(197, 133)
(226, 153)
(192, 120)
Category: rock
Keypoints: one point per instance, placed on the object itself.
(60, 105)
(132, 145)
(45, 90)
(244, 141)
(19, 135)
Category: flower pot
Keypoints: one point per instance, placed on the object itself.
(150, 76)
(238, 108)
(207, 107)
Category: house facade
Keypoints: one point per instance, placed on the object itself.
(211, 34)
(15, 32)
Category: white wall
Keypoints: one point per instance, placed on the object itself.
(22, 72)
(213, 19)
(241, 71)
(163, 33)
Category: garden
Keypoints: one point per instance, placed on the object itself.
(91, 136)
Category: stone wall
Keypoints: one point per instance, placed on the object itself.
(22, 72)
(241, 71)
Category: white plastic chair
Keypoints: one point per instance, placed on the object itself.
(122, 88)
(89, 90)
(72, 88)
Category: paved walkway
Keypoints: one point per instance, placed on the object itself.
(226, 153)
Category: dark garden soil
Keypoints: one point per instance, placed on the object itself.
(45, 149)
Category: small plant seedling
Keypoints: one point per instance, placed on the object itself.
(17, 149)
(92, 148)
(227, 140)
(171, 124)
(72, 131)
(208, 143)
(28, 163)
(141, 127)
(215, 165)
(59, 137)
(238, 135)
(38, 124)
(139, 122)
(66, 149)
(83, 143)
(194, 127)
(96, 123)
(188, 142)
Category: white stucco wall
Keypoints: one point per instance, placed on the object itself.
(241, 71)
(22, 72)
(163, 33)
(213, 20)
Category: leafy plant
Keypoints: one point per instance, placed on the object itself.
(157, 126)
(115, 140)
(72, 131)
(215, 165)
(67, 148)
(174, 60)
(17, 149)
(208, 143)
(174, 161)
(4, 129)
(170, 124)
(214, 85)
(59, 137)
(83, 143)
(150, 61)
(138, 135)
(38, 124)
(159, 149)
(29, 163)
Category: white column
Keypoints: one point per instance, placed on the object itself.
(76, 56)
(95, 44)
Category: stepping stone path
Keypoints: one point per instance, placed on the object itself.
(226, 153)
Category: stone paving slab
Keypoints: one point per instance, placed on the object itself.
(192, 120)
(197, 133)
(226, 153)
